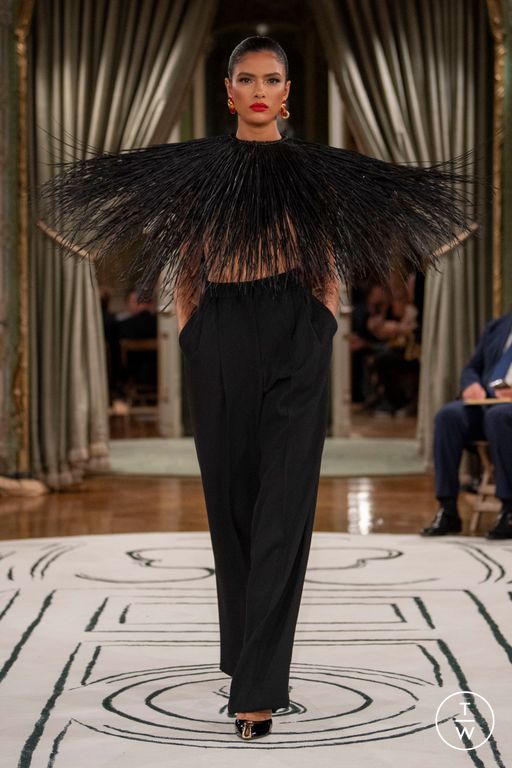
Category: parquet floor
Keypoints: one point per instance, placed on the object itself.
(114, 504)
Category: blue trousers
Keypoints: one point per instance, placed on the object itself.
(457, 425)
(257, 371)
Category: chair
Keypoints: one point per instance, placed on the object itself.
(141, 399)
(486, 500)
(138, 392)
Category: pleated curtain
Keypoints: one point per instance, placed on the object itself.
(415, 77)
(104, 75)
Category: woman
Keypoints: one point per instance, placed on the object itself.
(258, 374)
(254, 232)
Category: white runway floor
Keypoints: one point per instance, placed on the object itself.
(109, 655)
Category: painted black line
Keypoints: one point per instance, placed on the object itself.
(149, 601)
(413, 679)
(496, 631)
(486, 556)
(214, 624)
(56, 744)
(349, 629)
(357, 589)
(480, 719)
(212, 601)
(31, 743)
(179, 669)
(487, 567)
(184, 631)
(489, 570)
(424, 612)
(55, 557)
(89, 668)
(396, 610)
(368, 584)
(96, 615)
(375, 589)
(335, 642)
(438, 675)
(498, 565)
(25, 636)
(40, 560)
(306, 742)
(11, 601)
(209, 573)
(297, 667)
(109, 701)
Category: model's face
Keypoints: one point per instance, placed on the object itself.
(258, 78)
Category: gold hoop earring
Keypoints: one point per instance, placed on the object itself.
(231, 106)
(284, 112)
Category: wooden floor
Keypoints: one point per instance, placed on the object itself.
(110, 504)
(104, 504)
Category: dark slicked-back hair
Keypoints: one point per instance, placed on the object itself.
(257, 43)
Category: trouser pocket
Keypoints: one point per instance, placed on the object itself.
(322, 319)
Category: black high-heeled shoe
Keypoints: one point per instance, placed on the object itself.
(253, 729)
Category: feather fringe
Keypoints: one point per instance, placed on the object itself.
(224, 208)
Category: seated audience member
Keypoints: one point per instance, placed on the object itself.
(363, 343)
(487, 374)
(397, 361)
(383, 341)
(138, 321)
(110, 328)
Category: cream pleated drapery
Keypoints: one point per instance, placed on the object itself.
(108, 75)
(415, 78)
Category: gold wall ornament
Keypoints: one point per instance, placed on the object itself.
(20, 379)
(497, 19)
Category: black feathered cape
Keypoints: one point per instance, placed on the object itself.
(257, 207)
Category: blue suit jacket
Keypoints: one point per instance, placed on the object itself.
(487, 353)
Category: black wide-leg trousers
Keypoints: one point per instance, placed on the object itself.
(257, 371)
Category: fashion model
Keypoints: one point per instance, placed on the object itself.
(253, 232)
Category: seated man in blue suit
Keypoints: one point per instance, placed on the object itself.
(488, 374)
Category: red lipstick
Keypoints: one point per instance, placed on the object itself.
(259, 106)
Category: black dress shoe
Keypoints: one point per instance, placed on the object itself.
(253, 729)
(503, 527)
(443, 523)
